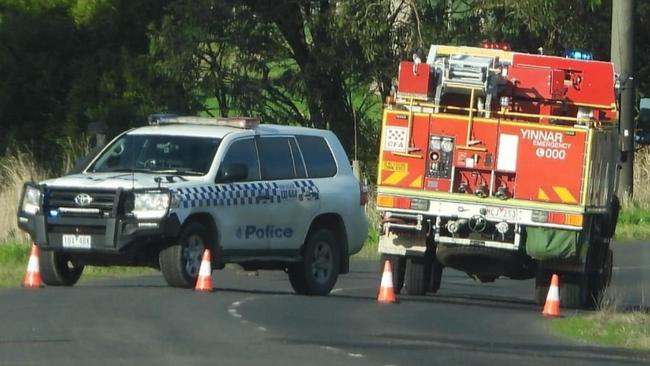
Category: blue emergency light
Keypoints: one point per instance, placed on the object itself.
(579, 55)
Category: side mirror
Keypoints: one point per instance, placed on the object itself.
(232, 172)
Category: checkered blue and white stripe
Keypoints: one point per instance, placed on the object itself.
(234, 194)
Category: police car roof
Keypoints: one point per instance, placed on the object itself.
(202, 130)
(186, 129)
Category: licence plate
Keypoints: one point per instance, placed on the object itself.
(76, 241)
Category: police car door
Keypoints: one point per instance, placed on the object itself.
(294, 198)
(240, 210)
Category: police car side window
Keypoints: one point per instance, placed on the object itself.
(276, 158)
(318, 156)
(244, 152)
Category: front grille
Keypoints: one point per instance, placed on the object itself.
(101, 205)
(78, 230)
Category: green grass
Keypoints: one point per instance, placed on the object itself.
(628, 330)
(13, 264)
(633, 224)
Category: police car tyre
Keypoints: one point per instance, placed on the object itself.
(398, 266)
(57, 269)
(180, 263)
(417, 275)
(319, 270)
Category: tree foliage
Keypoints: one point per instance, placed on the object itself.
(320, 63)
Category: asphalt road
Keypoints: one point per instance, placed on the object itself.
(257, 320)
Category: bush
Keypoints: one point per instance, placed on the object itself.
(16, 168)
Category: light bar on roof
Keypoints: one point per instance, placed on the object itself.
(237, 122)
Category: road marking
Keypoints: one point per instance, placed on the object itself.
(331, 349)
(618, 268)
(234, 312)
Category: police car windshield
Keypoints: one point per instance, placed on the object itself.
(182, 155)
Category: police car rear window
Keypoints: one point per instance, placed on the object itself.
(318, 156)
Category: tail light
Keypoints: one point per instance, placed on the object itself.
(363, 193)
(559, 218)
(402, 202)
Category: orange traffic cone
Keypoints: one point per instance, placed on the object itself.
(204, 281)
(552, 305)
(386, 291)
(33, 275)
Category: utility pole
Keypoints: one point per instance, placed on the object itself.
(623, 57)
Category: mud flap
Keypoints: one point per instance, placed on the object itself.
(543, 243)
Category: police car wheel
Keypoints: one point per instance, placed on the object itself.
(57, 269)
(319, 270)
(180, 263)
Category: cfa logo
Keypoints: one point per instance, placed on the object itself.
(266, 232)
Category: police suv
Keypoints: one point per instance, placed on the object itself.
(264, 196)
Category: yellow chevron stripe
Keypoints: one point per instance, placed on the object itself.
(541, 195)
(417, 183)
(565, 195)
(395, 178)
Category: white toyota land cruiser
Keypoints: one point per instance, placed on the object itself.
(263, 196)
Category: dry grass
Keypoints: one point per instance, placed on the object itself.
(16, 168)
(641, 179)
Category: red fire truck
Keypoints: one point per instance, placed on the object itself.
(500, 164)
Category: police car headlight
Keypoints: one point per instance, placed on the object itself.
(150, 205)
(31, 200)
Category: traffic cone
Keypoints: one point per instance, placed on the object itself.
(552, 305)
(204, 281)
(386, 291)
(33, 275)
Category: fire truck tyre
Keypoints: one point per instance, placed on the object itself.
(180, 262)
(608, 223)
(601, 279)
(398, 266)
(574, 291)
(319, 269)
(417, 275)
(57, 269)
(436, 276)
(542, 284)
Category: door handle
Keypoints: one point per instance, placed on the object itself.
(310, 195)
(264, 197)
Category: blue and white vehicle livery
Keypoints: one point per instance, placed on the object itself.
(264, 196)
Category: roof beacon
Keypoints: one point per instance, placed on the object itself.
(237, 122)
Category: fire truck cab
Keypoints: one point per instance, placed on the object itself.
(499, 163)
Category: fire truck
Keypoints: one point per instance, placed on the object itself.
(500, 164)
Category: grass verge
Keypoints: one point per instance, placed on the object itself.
(627, 330)
(13, 264)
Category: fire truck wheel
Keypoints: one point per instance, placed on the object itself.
(319, 269)
(608, 221)
(418, 272)
(180, 263)
(57, 269)
(436, 276)
(542, 284)
(601, 279)
(398, 266)
(574, 291)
